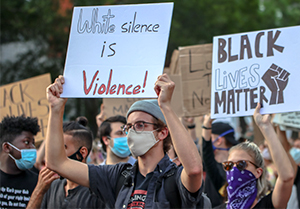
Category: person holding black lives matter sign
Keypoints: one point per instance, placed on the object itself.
(150, 126)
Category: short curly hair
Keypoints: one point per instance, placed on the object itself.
(12, 126)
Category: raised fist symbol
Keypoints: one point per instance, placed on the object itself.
(276, 80)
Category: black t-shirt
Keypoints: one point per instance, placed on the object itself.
(138, 197)
(15, 190)
(264, 203)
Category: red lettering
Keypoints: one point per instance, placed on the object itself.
(121, 86)
(101, 89)
(112, 89)
(136, 89)
(128, 92)
(109, 81)
(86, 91)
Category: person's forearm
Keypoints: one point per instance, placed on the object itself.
(183, 143)
(283, 139)
(279, 155)
(55, 152)
(35, 199)
(206, 128)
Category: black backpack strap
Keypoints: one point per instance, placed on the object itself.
(124, 178)
(170, 187)
(172, 191)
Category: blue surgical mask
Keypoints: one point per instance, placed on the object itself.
(27, 160)
(295, 153)
(120, 147)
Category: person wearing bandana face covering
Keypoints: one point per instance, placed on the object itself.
(150, 125)
(64, 193)
(18, 155)
(246, 173)
(217, 138)
(114, 141)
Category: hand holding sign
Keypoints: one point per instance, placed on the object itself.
(261, 120)
(276, 80)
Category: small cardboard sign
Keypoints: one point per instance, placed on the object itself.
(195, 66)
(260, 66)
(116, 50)
(291, 120)
(27, 97)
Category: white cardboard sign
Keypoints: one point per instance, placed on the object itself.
(116, 51)
(261, 66)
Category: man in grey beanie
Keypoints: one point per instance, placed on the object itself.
(150, 126)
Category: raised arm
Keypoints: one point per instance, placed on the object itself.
(285, 180)
(183, 144)
(56, 158)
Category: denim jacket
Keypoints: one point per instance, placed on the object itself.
(103, 181)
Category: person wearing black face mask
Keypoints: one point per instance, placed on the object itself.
(217, 138)
(64, 193)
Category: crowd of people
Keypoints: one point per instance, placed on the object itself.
(148, 159)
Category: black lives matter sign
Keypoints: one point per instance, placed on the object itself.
(255, 67)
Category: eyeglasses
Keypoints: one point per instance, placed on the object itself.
(241, 165)
(138, 126)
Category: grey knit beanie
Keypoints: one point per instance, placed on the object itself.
(149, 106)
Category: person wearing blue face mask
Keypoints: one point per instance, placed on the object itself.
(114, 141)
(218, 138)
(18, 155)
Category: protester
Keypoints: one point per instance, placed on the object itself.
(96, 156)
(101, 116)
(114, 141)
(245, 171)
(271, 172)
(63, 193)
(173, 156)
(149, 126)
(294, 158)
(18, 155)
(218, 138)
(297, 143)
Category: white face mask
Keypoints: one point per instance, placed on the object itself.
(140, 143)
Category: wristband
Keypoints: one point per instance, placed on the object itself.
(191, 126)
(206, 127)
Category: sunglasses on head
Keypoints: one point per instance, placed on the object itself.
(241, 165)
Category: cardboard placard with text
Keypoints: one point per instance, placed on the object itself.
(27, 97)
(291, 120)
(252, 67)
(195, 67)
(116, 51)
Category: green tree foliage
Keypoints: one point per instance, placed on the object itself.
(45, 24)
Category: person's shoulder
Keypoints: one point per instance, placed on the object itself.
(222, 206)
(265, 202)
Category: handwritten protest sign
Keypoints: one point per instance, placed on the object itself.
(261, 66)
(116, 51)
(195, 67)
(27, 97)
